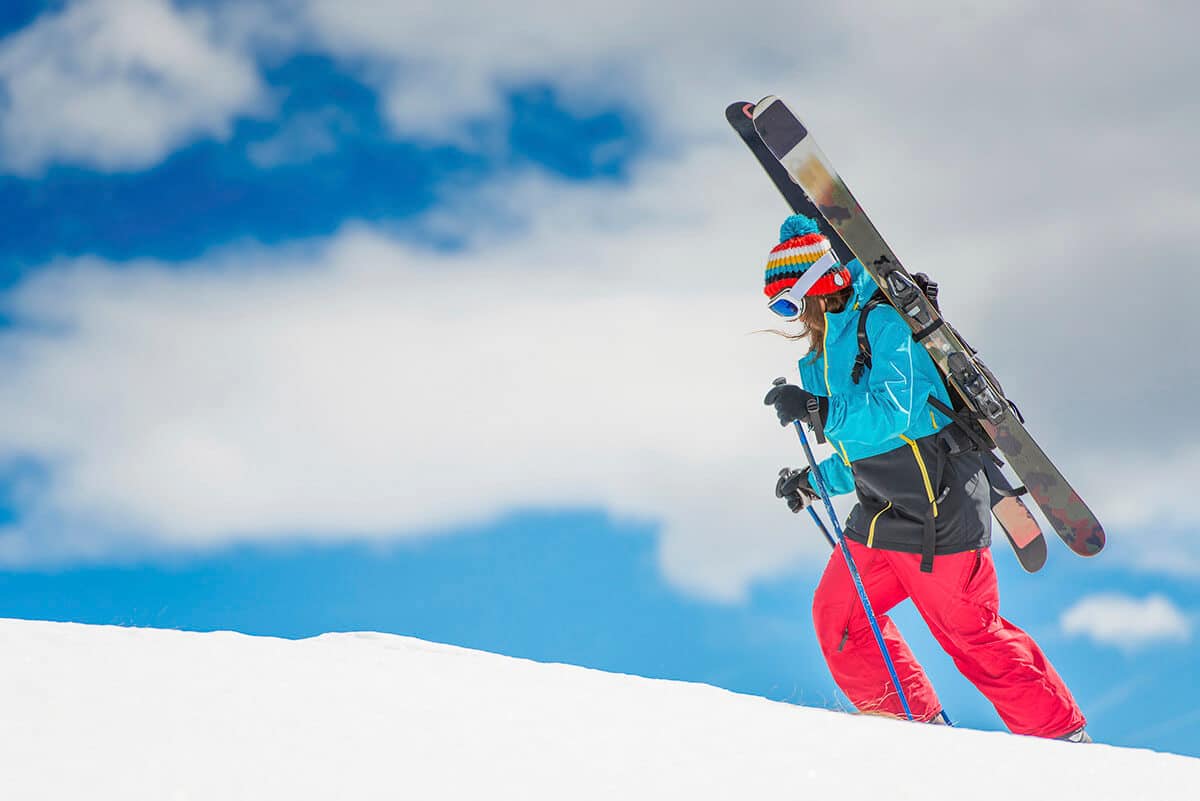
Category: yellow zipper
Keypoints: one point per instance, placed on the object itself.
(924, 473)
(825, 353)
(837, 446)
(871, 533)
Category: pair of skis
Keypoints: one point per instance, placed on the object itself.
(803, 175)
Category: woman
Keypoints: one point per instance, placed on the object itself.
(922, 525)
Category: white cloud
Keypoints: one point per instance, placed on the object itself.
(372, 389)
(341, 389)
(1126, 622)
(118, 84)
(437, 69)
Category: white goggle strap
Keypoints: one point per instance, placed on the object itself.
(813, 274)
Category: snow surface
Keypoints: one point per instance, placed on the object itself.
(102, 712)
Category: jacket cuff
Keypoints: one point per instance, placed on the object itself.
(806, 483)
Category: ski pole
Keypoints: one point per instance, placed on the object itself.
(855, 577)
(817, 519)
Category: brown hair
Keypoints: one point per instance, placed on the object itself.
(813, 319)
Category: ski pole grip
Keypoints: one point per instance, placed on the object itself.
(814, 420)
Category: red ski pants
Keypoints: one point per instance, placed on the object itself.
(959, 601)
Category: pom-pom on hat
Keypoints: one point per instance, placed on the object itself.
(801, 247)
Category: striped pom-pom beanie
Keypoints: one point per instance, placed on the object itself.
(801, 246)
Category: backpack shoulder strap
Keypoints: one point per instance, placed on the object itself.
(863, 360)
(962, 419)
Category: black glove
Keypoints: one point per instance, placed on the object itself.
(794, 487)
(791, 403)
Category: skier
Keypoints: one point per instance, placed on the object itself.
(922, 525)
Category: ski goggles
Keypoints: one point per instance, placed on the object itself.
(789, 304)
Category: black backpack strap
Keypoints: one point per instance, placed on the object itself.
(863, 360)
(929, 532)
(964, 424)
(928, 543)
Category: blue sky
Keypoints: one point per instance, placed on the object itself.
(372, 333)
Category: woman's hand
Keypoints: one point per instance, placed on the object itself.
(794, 487)
(792, 403)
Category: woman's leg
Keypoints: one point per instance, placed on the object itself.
(960, 601)
(849, 644)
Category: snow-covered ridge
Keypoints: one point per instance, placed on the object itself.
(101, 712)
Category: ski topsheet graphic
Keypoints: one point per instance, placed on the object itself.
(1019, 526)
(795, 149)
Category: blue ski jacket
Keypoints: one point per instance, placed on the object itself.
(888, 408)
(919, 489)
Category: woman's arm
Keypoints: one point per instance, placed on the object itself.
(839, 480)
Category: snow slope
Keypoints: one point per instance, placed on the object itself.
(98, 713)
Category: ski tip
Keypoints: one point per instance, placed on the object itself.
(764, 104)
(1094, 544)
(1032, 556)
(739, 110)
(1083, 532)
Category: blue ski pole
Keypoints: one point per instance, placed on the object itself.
(817, 519)
(841, 541)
